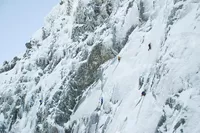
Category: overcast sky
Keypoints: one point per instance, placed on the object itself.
(19, 19)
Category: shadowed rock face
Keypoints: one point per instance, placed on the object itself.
(87, 72)
(87, 19)
(175, 107)
(84, 77)
(7, 66)
(73, 85)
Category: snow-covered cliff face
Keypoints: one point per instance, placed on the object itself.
(71, 64)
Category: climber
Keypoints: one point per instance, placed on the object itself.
(143, 93)
(40, 102)
(149, 46)
(119, 58)
(100, 105)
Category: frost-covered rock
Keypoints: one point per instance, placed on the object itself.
(70, 81)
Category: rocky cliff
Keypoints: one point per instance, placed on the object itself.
(70, 65)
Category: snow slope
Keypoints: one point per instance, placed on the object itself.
(71, 63)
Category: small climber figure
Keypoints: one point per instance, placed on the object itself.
(149, 46)
(119, 58)
(143, 93)
(40, 102)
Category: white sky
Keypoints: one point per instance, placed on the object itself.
(19, 19)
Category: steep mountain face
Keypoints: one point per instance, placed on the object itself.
(70, 81)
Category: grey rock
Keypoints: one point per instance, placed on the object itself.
(37, 79)
(178, 107)
(7, 66)
(170, 102)
(161, 122)
(28, 45)
(10, 100)
(6, 108)
(56, 96)
(3, 127)
(180, 122)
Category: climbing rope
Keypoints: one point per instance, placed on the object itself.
(139, 110)
(138, 102)
(115, 68)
